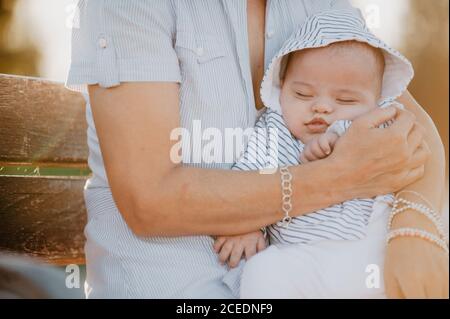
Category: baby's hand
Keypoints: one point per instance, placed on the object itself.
(232, 248)
(319, 147)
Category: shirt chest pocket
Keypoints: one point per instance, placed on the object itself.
(198, 49)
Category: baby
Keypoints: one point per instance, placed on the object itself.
(327, 74)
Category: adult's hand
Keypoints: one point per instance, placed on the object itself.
(374, 161)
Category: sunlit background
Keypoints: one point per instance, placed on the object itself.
(35, 41)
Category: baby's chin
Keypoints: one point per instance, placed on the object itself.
(302, 133)
(305, 137)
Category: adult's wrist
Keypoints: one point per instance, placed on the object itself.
(317, 185)
(413, 219)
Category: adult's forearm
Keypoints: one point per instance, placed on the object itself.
(194, 201)
(156, 197)
(432, 185)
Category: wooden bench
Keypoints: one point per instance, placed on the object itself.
(43, 168)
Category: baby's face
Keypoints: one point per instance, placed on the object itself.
(322, 86)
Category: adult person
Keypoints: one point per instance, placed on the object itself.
(151, 67)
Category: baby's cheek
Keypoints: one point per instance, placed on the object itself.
(294, 116)
(352, 113)
(295, 126)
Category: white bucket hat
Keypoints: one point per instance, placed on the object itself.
(329, 27)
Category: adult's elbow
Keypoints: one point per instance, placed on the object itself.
(141, 214)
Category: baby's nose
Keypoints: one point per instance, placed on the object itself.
(322, 107)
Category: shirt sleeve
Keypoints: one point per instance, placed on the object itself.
(116, 41)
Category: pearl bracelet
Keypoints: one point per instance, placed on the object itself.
(420, 209)
(286, 192)
(423, 209)
(412, 232)
(418, 195)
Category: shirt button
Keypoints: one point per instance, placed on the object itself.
(200, 51)
(102, 43)
(270, 34)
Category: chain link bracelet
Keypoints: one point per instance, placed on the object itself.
(286, 192)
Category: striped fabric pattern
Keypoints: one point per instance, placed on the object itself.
(325, 28)
(199, 44)
(272, 145)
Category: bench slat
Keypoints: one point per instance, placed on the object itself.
(43, 217)
(41, 121)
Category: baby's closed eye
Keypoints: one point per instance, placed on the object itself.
(347, 101)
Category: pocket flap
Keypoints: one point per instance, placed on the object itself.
(205, 47)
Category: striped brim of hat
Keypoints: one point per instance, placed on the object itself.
(329, 27)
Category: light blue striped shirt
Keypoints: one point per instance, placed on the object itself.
(203, 45)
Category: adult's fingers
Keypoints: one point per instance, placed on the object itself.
(413, 176)
(377, 117)
(415, 138)
(404, 122)
(419, 157)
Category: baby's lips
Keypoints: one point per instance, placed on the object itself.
(317, 128)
